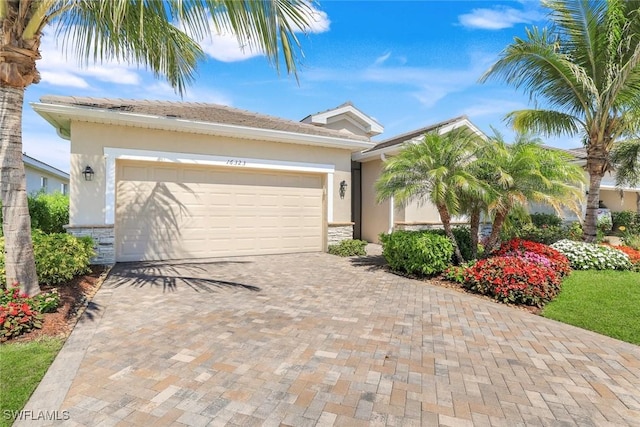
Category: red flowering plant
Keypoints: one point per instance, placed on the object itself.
(513, 279)
(17, 315)
(559, 263)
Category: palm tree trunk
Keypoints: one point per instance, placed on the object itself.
(496, 229)
(638, 202)
(446, 224)
(16, 223)
(595, 167)
(474, 229)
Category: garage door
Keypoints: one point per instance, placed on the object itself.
(174, 212)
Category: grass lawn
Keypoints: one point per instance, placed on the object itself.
(22, 366)
(602, 301)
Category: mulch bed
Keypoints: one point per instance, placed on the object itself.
(74, 297)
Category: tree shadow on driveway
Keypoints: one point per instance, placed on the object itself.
(168, 275)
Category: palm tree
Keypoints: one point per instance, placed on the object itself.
(433, 170)
(159, 35)
(626, 159)
(586, 69)
(525, 172)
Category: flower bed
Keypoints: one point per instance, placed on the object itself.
(591, 256)
(557, 261)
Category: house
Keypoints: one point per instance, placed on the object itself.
(153, 180)
(42, 177)
(157, 180)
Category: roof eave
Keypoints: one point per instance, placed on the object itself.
(60, 117)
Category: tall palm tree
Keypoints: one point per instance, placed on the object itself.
(434, 170)
(626, 159)
(525, 172)
(159, 35)
(586, 69)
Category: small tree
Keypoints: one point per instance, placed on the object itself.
(434, 170)
(526, 172)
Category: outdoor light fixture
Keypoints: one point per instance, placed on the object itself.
(88, 173)
(343, 188)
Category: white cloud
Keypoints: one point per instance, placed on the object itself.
(61, 68)
(318, 21)
(497, 18)
(382, 59)
(63, 78)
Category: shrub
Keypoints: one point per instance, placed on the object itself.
(591, 256)
(350, 247)
(574, 232)
(546, 234)
(513, 279)
(463, 239)
(559, 262)
(17, 315)
(416, 252)
(628, 219)
(59, 257)
(49, 212)
(542, 219)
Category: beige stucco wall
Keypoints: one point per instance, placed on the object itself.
(88, 140)
(421, 213)
(33, 175)
(612, 200)
(375, 216)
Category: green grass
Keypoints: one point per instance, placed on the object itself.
(22, 366)
(602, 301)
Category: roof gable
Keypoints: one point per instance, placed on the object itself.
(346, 112)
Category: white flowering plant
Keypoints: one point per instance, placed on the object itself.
(591, 256)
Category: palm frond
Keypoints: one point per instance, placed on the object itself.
(545, 122)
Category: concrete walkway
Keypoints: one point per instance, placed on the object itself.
(313, 339)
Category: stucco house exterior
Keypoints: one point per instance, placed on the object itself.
(174, 180)
(189, 180)
(43, 177)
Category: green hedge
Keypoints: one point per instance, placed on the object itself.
(59, 257)
(417, 252)
(49, 212)
(463, 239)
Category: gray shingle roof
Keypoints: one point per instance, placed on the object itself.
(399, 139)
(198, 111)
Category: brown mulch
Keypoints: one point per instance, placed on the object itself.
(74, 297)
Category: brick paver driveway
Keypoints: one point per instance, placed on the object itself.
(314, 339)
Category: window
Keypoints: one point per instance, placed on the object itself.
(44, 182)
(64, 189)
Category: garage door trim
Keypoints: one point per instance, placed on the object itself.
(112, 154)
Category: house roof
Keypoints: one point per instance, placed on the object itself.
(391, 145)
(399, 139)
(37, 164)
(192, 112)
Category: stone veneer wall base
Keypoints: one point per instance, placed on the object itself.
(338, 232)
(103, 241)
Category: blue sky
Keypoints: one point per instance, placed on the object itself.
(408, 64)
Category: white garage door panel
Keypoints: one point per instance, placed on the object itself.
(220, 214)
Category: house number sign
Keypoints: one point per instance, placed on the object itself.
(236, 162)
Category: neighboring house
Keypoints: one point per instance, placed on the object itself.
(190, 180)
(42, 177)
(613, 198)
(375, 218)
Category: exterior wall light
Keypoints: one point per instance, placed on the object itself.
(88, 173)
(343, 188)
